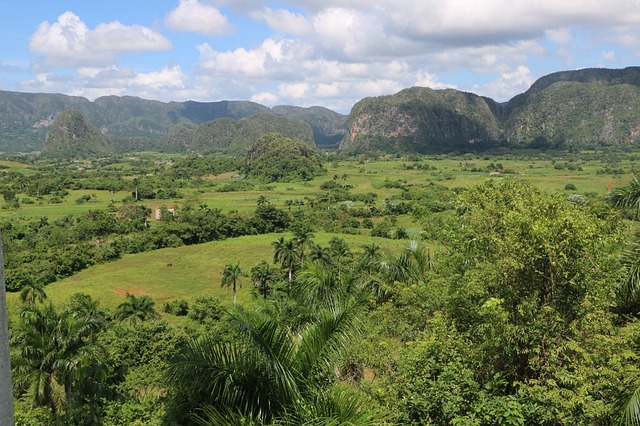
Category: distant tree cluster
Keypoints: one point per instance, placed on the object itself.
(274, 158)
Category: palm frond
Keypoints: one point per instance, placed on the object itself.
(321, 341)
(630, 409)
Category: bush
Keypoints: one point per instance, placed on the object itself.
(178, 307)
(570, 187)
(205, 309)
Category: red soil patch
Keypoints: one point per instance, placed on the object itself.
(133, 291)
(227, 175)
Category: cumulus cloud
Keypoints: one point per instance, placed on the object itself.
(426, 79)
(609, 55)
(335, 52)
(199, 17)
(284, 21)
(507, 85)
(264, 98)
(275, 59)
(68, 42)
(91, 82)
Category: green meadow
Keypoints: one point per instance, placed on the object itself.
(191, 271)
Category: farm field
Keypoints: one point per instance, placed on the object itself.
(184, 272)
(406, 270)
(552, 174)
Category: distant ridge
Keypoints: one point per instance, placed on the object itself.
(568, 109)
(26, 117)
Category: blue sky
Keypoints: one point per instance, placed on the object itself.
(306, 52)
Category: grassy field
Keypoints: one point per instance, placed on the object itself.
(367, 176)
(182, 273)
(188, 272)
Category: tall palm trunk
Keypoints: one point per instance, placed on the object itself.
(6, 396)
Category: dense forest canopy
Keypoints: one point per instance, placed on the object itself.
(498, 289)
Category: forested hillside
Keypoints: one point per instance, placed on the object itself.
(418, 290)
(580, 109)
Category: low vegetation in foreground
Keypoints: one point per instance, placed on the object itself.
(467, 289)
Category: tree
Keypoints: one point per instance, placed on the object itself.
(271, 374)
(320, 254)
(627, 197)
(262, 276)
(55, 352)
(287, 253)
(6, 395)
(274, 158)
(136, 309)
(230, 278)
(33, 292)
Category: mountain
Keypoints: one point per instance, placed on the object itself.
(71, 134)
(328, 126)
(422, 120)
(26, 117)
(582, 109)
(231, 136)
(569, 109)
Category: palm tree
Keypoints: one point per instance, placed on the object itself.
(318, 284)
(262, 276)
(55, 351)
(627, 197)
(339, 251)
(6, 395)
(320, 254)
(32, 292)
(136, 309)
(230, 278)
(287, 253)
(303, 237)
(270, 374)
(629, 292)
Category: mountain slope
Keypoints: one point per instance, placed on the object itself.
(71, 135)
(422, 120)
(25, 118)
(569, 109)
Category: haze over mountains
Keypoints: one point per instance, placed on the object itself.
(569, 109)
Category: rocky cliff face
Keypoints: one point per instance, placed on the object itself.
(581, 109)
(72, 135)
(422, 120)
(26, 117)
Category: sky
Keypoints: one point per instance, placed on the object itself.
(330, 53)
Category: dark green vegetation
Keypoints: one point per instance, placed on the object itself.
(576, 110)
(226, 135)
(273, 158)
(71, 135)
(132, 124)
(452, 289)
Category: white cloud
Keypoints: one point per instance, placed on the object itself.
(609, 55)
(169, 77)
(507, 85)
(293, 90)
(425, 79)
(560, 36)
(275, 59)
(264, 98)
(284, 21)
(199, 17)
(70, 43)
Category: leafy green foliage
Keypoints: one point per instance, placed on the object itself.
(71, 135)
(274, 158)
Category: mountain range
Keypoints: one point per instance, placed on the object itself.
(569, 109)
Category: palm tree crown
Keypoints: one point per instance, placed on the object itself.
(230, 278)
